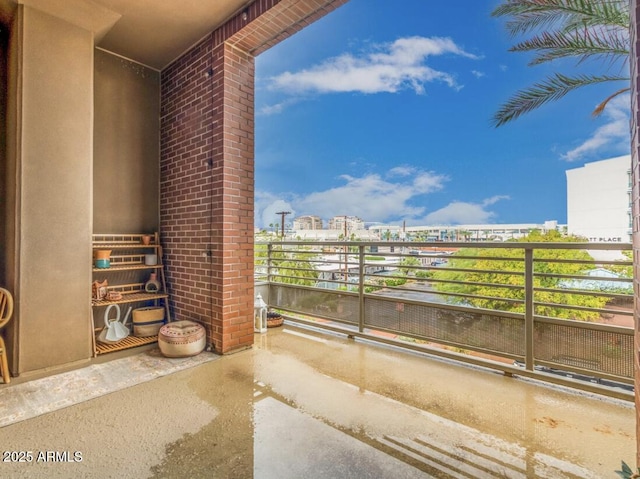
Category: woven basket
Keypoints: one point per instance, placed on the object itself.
(275, 322)
(147, 321)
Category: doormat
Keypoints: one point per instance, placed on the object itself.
(41, 396)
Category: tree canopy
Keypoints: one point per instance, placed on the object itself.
(293, 267)
(495, 278)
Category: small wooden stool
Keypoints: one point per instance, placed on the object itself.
(6, 310)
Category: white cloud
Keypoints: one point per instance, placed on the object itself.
(493, 200)
(401, 171)
(392, 67)
(460, 212)
(377, 198)
(612, 135)
(371, 197)
(266, 207)
(478, 74)
(277, 107)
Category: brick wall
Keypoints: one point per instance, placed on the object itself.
(233, 202)
(207, 168)
(186, 182)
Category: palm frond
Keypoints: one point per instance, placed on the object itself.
(614, 15)
(550, 89)
(566, 15)
(586, 44)
(603, 104)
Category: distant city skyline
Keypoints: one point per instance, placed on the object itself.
(360, 224)
(354, 222)
(376, 113)
(485, 232)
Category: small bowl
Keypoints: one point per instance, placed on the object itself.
(114, 295)
(102, 263)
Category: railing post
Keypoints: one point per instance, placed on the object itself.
(528, 308)
(361, 290)
(269, 252)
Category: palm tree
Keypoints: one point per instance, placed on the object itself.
(580, 29)
(466, 234)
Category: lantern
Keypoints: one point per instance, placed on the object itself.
(259, 315)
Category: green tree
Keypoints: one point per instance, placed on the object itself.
(466, 234)
(578, 29)
(499, 278)
(420, 236)
(293, 267)
(407, 265)
(624, 271)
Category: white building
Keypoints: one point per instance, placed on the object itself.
(599, 200)
(469, 232)
(333, 235)
(307, 222)
(353, 223)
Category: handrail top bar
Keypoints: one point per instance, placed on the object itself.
(451, 244)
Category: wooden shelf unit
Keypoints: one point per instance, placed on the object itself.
(126, 343)
(126, 276)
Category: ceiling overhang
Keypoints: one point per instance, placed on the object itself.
(151, 32)
(157, 32)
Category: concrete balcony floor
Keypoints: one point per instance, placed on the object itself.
(304, 404)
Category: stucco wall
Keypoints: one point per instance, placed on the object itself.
(53, 101)
(126, 146)
(3, 156)
(598, 200)
(10, 198)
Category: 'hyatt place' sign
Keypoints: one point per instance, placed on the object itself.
(616, 239)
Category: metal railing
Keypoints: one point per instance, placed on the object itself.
(561, 312)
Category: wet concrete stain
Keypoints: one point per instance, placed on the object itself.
(549, 421)
(295, 406)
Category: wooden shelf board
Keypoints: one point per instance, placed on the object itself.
(127, 268)
(126, 343)
(132, 298)
(124, 245)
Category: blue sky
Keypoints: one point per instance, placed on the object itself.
(382, 110)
